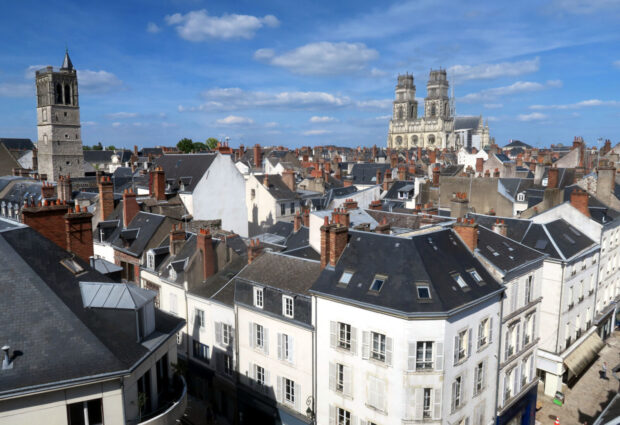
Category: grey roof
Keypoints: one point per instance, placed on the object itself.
(466, 123)
(516, 228)
(398, 186)
(179, 166)
(563, 240)
(514, 186)
(277, 188)
(121, 296)
(432, 259)
(518, 144)
(17, 144)
(502, 157)
(105, 267)
(138, 233)
(366, 173)
(59, 339)
(98, 157)
(66, 62)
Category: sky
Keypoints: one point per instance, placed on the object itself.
(277, 72)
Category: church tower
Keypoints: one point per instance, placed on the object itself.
(405, 105)
(58, 122)
(437, 101)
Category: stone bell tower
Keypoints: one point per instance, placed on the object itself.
(405, 106)
(58, 122)
(437, 101)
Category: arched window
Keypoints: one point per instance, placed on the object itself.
(433, 110)
(399, 140)
(431, 139)
(59, 94)
(414, 140)
(400, 113)
(45, 139)
(411, 112)
(67, 94)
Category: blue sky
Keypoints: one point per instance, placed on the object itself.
(314, 72)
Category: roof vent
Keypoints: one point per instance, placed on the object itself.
(7, 362)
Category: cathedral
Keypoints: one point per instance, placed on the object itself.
(439, 127)
(58, 122)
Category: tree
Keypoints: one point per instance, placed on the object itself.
(85, 147)
(199, 146)
(185, 145)
(98, 147)
(111, 148)
(212, 142)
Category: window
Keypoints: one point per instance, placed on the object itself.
(461, 342)
(344, 336)
(475, 275)
(507, 381)
(259, 375)
(226, 334)
(424, 292)
(377, 350)
(528, 290)
(173, 304)
(44, 115)
(484, 332)
(456, 393)
(292, 208)
(289, 391)
(253, 193)
(258, 297)
(282, 209)
(287, 306)
(339, 377)
(228, 365)
(200, 351)
(424, 355)
(343, 417)
(199, 317)
(426, 409)
(377, 283)
(85, 412)
(528, 331)
(150, 260)
(512, 337)
(479, 378)
(285, 347)
(346, 277)
(520, 197)
(259, 333)
(376, 392)
(459, 279)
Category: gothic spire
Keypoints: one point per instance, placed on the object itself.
(66, 63)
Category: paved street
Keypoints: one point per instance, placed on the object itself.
(585, 401)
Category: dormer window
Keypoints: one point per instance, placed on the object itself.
(475, 275)
(150, 260)
(424, 292)
(258, 297)
(521, 197)
(345, 278)
(173, 273)
(377, 283)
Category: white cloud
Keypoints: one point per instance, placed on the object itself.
(375, 104)
(235, 120)
(198, 25)
(492, 119)
(30, 72)
(583, 104)
(116, 124)
(16, 90)
(383, 117)
(97, 81)
(316, 132)
(616, 64)
(518, 87)
(153, 28)
(317, 119)
(88, 123)
(377, 73)
(493, 105)
(121, 115)
(488, 71)
(534, 116)
(323, 58)
(271, 124)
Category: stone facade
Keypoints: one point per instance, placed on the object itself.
(58, 122)
(436, 128)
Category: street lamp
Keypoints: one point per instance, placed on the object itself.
(309, 412)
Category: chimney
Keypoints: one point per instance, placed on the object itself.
(297, 222)
(375, 205)
(605, 183)
(393, 161)
(374, 152)
(468, 231)
(47, 219)
(177, 238)
(479, 165)
(266, 180)
(325, 242)
(64, 188)
(135, 150)
(436, 176)
(306, 219)
(257, 156)
(496, 173)
(383, 227)
(387, 180)
(106, 197)
(347, 182)
(338, 238)
(579, 200)
(552, 178)
(378, 177)
(130, 207)
(47, 190)
(327, 166)
(459, 205)
(500, 227)
(432, 156)
(204, 245)
(402, 173)
(254, 250)
(487, 173)
(419, 155)
(158, 184)
(350, 204)
(79, 233)
(288, 178)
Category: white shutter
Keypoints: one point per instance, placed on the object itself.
(332, 376)
(437, 404)
(267, 379)
(251, 335)
(280, 356)
(348, 385)
(388, 351)
(419, 404)
(506, 345)
(409, 403)
(469, 337)
(353, 419)
(353, 340)
(453, 396)
(490, 330)
(291, 349)
(532, 367)
(411, 356)
(438, 356)
(516, 380)
(297, 397)
(456, 349)
(218, 332)
(518, 336)
(332, 415)
(251, 373)
(333, 336)
(279, 389)
(365, 344)
(484, 374)
(266, 341)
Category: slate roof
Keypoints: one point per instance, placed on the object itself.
(146, 225)
(59, 339)
(17, 144)
(7, 162)
(432, 258)
(98, 157)
(466, 122)
(277, 188)
(502, 157)
(564, 240)
(516, 228)
(398, 186)
(514, 186)
(518, 144)
(366, 173)
(178, 166)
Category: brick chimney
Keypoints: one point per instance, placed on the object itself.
(378, 177)
(325, 242)
(297, 222)
(177, 238)
(288, 178)
(479, 165)
(496, 173)
(393, 161)
(158, 184)
(64, 188)
(374, 152)
(257, 156)
(254, 250)
(579, 200)
(306, 218)
(500, 227)
(387, 180)
(459, 205)
(552, 178)
(106, 197)
(48, 219)
(467, 229)
(338, 238)
(79, 233)
(47, 190)
(432, 156)
(204, 245)
(135, 150)
(347, 182)
(130, 206)
(375, 205)
(327, 166)
(350, 204)
(402, 173)
(436, 176)
(383, 227)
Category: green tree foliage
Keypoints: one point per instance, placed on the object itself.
(199, 146)
(111, 148)
(185, 145)
(98, 147)
(212, 142)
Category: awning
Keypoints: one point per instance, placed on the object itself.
(583, 355)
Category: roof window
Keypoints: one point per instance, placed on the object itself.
(495, 253)
(72, 265)
(459, 279)
(346, 277)
(540, 244)
(377, 283)
(424, 292)
(475, 275)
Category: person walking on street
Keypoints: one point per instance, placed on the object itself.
(604, 370)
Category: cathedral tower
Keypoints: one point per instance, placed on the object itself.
(437, 101)
(405, 105)
(58, 122)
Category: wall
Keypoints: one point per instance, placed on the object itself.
(262, 209)
(481, 192)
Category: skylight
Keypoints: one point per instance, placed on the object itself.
(459, 279)
(495, 253)
(508, 246)
(72, 265)
(377, 283)
(424, 292)
(475, 275)
(346, 277)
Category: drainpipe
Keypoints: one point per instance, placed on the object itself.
(499, 351)
(557, 335)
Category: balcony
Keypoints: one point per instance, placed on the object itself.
(570, 306)
(581, 298)
(170, 408)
